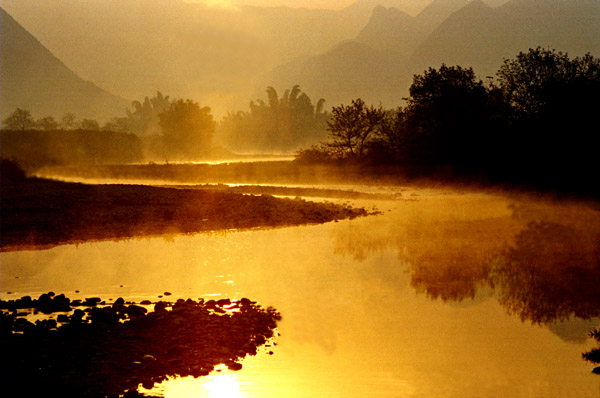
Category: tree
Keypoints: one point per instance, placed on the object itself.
(68, 121)
(352, 127)
(391, 140)
(187, 129)
(279, 124)
(19, 119)
(47, 123)
(449, 114)
(541, 80)
(116, 124)
(593, 355)
(554, 104)
(89, 124)
(143, 119)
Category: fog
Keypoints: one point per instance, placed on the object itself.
(94, 58)
(220, 56)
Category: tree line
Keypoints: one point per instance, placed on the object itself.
(278, 125)
(533, 123)
(181, 129)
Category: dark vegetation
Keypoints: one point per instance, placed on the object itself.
(534, 124)
(157, 129)
(593, 355)
(37, 148)
(39, 213)
(93, 349)
(162, 129)
(531, 125)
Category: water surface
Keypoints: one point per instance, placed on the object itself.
(444, 294)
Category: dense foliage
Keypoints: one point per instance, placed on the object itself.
(156, 129)
(281, 125)
(533, 124)
(36, 148)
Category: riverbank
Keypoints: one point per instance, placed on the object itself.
(40, 213)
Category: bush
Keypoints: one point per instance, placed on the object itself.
(11, 171)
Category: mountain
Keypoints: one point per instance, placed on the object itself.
(184, 49)
(32, 78)
(395, 46)
(331, 77)
(481, 37)
(438, 10)
(410, 7)
(372, 66)
(392, 30)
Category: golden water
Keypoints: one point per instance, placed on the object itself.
(429, 299)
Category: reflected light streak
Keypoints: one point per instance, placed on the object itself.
(220, 384)
(223, 385)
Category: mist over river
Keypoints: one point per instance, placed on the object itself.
(445, 293)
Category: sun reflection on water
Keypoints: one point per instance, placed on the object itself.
(222, 385)
(219, 384)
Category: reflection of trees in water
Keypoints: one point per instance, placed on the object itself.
(449, 266)
(442, 256)
(548, 271)
(552, 272)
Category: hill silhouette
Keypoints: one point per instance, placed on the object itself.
(481, 36)
(185, 49)
(32, 78)
(467, 33)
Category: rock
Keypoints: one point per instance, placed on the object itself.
(235, 366)
(118, 302)
(92, 301)
(134, 311)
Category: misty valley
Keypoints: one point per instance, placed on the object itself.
(312, 198)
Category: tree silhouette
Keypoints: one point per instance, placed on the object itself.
(19, 119)
(352, 127)
(117, 124)
(593, 355)
(281, 123)
(47, 123)
(187, 129)
(143, 119)
(89, 124)
(448, 115)
(68, 121)
(554, 102)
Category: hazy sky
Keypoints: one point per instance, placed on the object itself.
(411, 5)
(290, 3)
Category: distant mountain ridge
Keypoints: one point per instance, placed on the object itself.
(469, 34)
(224, 58)
(32, 78)
(481, 36)
(184, 49)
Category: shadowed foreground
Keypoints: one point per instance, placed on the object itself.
(39, 213)
(105, 351)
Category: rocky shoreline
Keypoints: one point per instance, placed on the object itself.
(94, 349)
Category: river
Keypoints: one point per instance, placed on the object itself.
(444, 294)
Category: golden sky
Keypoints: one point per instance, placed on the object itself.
(333, 4)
